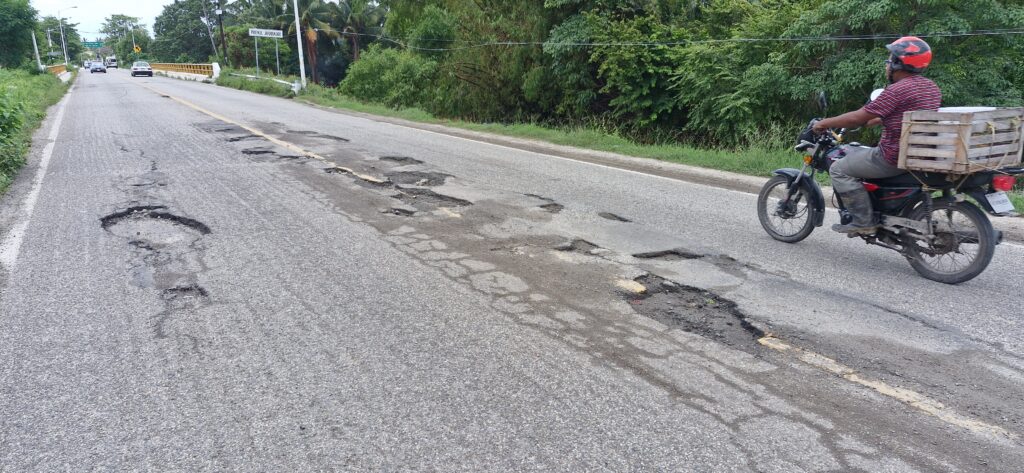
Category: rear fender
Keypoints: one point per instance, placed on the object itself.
(815, 198)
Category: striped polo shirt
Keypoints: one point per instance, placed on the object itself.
(908, 95)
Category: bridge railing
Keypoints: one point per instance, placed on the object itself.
(201, 69)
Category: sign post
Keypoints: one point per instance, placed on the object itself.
(258, 33)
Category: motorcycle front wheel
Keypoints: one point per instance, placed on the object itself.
(963, 245)
(786, 216)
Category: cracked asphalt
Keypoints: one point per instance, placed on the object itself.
(194, 293)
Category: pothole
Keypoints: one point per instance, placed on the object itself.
(418, 178)
(401, 211)
(150, 227)
(234, 139)
(578, 246)
(696, 311)
(675, 254)
(553, 207)
(403, 160)
(193, 290)
(418, 196)
(613, 217)
(257, 151)
(314, 134)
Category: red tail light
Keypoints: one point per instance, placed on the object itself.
(1003, 183)
(870, 187)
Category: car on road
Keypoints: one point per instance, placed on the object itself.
(141, 68)
(97, 67)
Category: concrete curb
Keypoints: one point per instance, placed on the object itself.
(184, 76)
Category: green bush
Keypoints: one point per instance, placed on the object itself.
(396, 78)
(24, 97)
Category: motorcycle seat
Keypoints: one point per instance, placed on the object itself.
(933, 179)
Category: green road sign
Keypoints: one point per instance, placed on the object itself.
(92, 44)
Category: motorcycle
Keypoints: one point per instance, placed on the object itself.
(937, 221)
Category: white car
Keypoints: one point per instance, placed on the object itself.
(142, 68)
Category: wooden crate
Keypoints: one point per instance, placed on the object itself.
(961, 142)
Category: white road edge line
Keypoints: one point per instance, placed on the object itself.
(11, 245)
(911, 398)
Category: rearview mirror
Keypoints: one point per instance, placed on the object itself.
(822, 101)
(875, 93)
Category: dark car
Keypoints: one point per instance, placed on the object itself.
(142, 68)
(98, 67)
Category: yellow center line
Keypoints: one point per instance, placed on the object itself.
(279, 142)
(911, 398)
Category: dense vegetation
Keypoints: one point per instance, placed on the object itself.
(24, 97)
(711, 72)
(25, 91)
(719, 73)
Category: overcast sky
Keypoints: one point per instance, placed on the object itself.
(90, 13)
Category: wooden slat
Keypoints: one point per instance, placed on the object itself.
(999, 150)
(932, 139)
(914, 151)
(1004, 138)
(977, 128)
(919, 165)
(974, 117)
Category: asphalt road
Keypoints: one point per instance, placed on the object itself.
(198, 278)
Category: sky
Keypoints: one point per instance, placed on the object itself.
(90, 13)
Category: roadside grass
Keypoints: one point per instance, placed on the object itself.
(753, 161)
(261, 86)
(24, 98)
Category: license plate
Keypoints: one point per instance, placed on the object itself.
(1000, 202)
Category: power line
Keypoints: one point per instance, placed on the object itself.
(838, 38)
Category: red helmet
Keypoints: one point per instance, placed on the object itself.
(910, 54)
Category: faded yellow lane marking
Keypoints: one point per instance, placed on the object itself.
(281, 143)
(906, 396)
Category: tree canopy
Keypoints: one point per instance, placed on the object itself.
(17, 21)
(718, 72)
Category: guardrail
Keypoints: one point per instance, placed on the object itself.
(201, 69)
(57, 69)
(295, 86)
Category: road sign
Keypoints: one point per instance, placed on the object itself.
(138, 49)
(92, 44)
(266, 33)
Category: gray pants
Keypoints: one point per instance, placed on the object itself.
(861, 162)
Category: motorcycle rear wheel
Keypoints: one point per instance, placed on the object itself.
(788, 222)
(963, 246)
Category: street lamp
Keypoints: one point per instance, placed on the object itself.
(60, 22)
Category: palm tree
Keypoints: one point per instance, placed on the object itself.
(316, 18)
(364, 17)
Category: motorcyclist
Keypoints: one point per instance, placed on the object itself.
(908, 91)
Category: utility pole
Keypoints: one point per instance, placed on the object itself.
(64, 43)
(223, 43)
(298, 37)
(36, 48)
